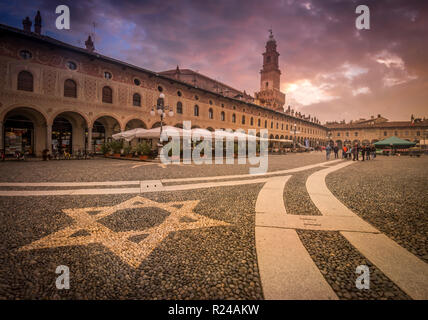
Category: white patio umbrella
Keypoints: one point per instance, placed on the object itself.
(147, 133)
(128, 135)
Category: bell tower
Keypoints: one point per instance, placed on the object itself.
(270, 95)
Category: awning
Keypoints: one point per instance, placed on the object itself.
(174, 131)
(394, 141)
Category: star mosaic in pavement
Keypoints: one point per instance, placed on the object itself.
(132, 246)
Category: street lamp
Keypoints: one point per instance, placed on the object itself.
(294, 142)
(161, 110)
(329, 138)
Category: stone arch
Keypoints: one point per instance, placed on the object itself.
(135, 123)
(157, 124)
(29, 106)
(69, 130)
(103, 127)
(58, 112)
(210, 129)
(112, 116)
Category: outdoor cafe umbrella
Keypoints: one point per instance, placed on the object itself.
(147, 133)
(394, 142)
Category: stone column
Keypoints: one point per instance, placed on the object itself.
(49, 138)
(89, 143)
(1, 136)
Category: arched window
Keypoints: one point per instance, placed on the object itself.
(70, 88)
(233, 118)
(107, 95)
(265, 123)
(136, 100)
(25, 81)
(271, 124)
(252, 121)
(210, 114)
(179, 107)
(258, 122)
(196, 111)
(243, 119)
(222, 116)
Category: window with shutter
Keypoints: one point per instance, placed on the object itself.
(25, 81)
(136, 100)
(179, 107)
(107, 95)
(70, 89)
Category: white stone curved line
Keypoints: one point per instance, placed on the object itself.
(287, 271)
(405, 269)
(190, 179)
(68, 184)
(104, 191)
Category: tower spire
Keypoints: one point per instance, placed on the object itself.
(270, 79)
(38, 23)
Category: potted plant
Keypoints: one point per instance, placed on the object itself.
(143, 150)
(127, 151)
(116, 147)
(105, 148)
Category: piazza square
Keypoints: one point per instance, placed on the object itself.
(264, 197)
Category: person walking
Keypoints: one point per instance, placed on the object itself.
(355, 153)
(336, 151)
(363, 152)
(344, 149)
(373, 150)
(368, 151)
(327, 151)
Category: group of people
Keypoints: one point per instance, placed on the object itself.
(367, 152)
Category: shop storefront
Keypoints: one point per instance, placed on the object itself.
(62, 136)
(98, 137)
(18, 136)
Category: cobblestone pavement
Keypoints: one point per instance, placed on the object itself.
(193, 244)
(337, 260)
(391, 194)
(297, 200)
(101, 169)
(216, 262)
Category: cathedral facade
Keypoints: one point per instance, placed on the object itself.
(52, 92)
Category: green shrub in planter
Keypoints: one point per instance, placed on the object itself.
(143, 149)
(116, 146)
(105, 148)
(127, 150)
(147, 150)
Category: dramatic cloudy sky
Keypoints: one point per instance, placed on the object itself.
(329, 68)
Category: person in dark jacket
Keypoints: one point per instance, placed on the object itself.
(355, 152)
(363, 151)
(336, 151)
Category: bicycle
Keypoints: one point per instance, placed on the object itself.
(19, 155)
